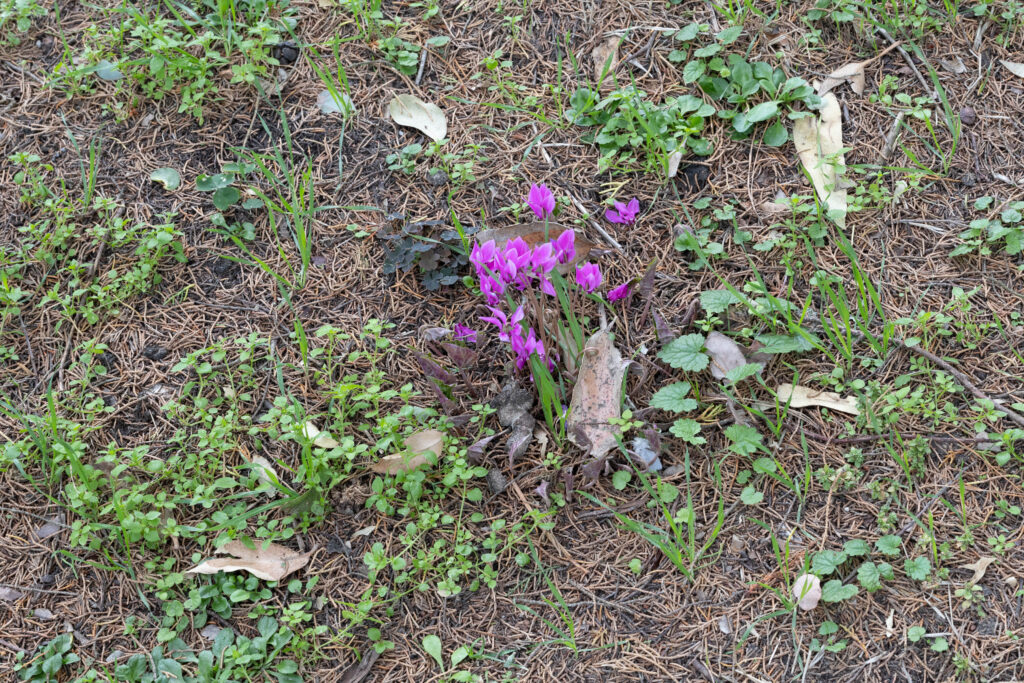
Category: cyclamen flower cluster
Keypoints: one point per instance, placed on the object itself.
(520, 267)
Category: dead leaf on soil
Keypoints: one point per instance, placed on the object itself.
(726, 354)
(533, 234)
(852, 72)
(979, 568)
(321, 439)
(807, 589)
(266, 473)
(818, 141)
(272, 563)
(952, 66)
(10, 595)
(52, 527)
(1016, 68)
(595, 398)
(799, 396)
(409, 110)
(602, 52)
(422, 448)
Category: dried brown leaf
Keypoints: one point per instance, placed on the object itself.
(422, 448)
(852, 72)
(602, 53)
(321, 439)
(799, 396)
(807, 590)
(818, 141)
(409, 110)
(726, 354)
(979, 568)
(595, 398)
(1016, 68)
(272, 563)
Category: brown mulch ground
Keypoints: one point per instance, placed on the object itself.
(655, 626)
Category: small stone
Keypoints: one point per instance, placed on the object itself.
(968, 116)
(210, 631)
(496, 481)
(155, 352)
(42, 613)
(737, 544)
(286, 52)
(437, 177)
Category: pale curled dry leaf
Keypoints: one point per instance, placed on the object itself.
(726, 354)
(807, 590)
(979, 568)
(852, 73)
(266, 473)
(321, 439)
(818, 141)
(411, 111)
(602, 52)
(422, 448)
(272, 563)
(1016, 68)
(957, 67)
(799, 396)
(595, 398)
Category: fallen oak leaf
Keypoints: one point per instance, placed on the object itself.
(799, 396)
(422, 448)
(270, 563)
(595, 398)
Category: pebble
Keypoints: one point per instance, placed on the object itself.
(155, 352)
(437, 177)
(968, 116)
(496, 481)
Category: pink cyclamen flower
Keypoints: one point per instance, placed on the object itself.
(546, 286)
(463, 332)
(620, 292)
(544, 259)
(483, 256)
(623, 213)
(588, 276)
(565, 246)
(541, 201)
(491, 288)
(516, 255)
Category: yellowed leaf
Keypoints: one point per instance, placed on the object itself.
(422, 448)
(272, 563)
(818, 141)
(595, 398)
(799, 396)
(979, 568)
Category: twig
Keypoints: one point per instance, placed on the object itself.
(964, 380)
(423, 62)
(909, 61)
(596, 226)
(890, 139)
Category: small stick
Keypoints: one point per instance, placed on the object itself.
(890, 139)
(908, 60)
(423, 62)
